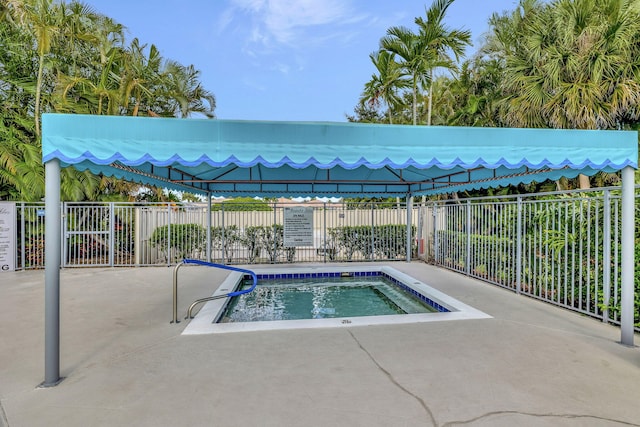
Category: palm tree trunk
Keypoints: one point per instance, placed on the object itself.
(415, 101)
(430, 100)
(584, 182)
(38, 93)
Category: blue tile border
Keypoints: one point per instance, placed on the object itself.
(393, 280)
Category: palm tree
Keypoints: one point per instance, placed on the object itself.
(140, 71)
(384, 84)
(575, 67)
(186, 93)
(472, 98)
(439, 42)
(420, 54)
(401, 42)
(42, 19)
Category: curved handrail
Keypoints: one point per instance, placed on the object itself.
(227, 267)
(207, 264)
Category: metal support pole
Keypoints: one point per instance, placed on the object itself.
(409, 209)
(606, 256)
(519, 246)
(628, 235)
(52, 274)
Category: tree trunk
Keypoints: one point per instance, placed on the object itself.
(430, 100)
(38, 94)
(583, 180)
(415, 101)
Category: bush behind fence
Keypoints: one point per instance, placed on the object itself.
(568, 248)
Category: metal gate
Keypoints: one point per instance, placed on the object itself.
(87, 235)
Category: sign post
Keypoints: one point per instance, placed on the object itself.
(7, 236)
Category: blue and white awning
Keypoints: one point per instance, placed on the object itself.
(230, 158)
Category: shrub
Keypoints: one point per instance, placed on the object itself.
(226, 239)
(182, 240)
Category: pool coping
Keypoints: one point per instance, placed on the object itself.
(202, 323)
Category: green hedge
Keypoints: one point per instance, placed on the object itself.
(496, 265)
(183, 239)
(387, 241)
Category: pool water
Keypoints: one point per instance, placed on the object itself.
(317, 298)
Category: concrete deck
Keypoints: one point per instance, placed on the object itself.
(124, 363)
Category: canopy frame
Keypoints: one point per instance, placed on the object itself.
(320, 159)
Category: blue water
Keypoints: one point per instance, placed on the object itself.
(290, 299)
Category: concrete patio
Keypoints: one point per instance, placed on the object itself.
(124, 363)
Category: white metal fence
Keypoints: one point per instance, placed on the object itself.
(133, 234)
(563, 248)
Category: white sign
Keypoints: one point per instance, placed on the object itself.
(298, 226)
(7, 236)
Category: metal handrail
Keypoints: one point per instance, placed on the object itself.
(207, 264)
(201, 300)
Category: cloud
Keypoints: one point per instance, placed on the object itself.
(288, 22)
(224, 20)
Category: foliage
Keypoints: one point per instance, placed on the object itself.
(495, 266)
(66, 57)
(572, 64)
(370, 203)
(385, 241)
(407, 59)
(347, 239)
(271, 239)
(242, 204)
(251, 242)
(563, 251)
(226, 238)
(179, 241)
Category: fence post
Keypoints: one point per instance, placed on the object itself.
(372, 231)
(274, 258)
(435, 233)
(23, 236)
(112, 233)
(64, 237)
(208, 213)
(324, 231)
(606, 257)
(168, 234)
(519, 246)
(467, 227)
(409, 209)
(224, 241)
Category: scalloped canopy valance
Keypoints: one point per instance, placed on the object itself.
(255, 158)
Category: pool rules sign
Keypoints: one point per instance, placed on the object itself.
(7, 236)
(298, 226)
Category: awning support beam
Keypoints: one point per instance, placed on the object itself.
(52, 258)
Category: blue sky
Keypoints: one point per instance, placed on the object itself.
(291, 60)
